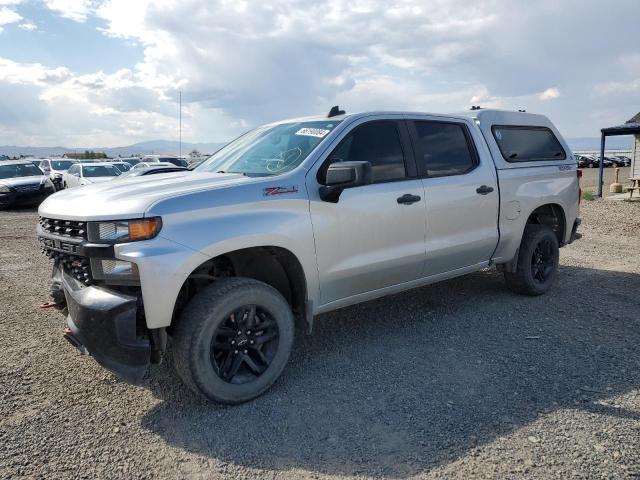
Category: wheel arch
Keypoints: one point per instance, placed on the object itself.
(274, 265)
(551, 215)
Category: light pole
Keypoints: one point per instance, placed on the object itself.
(180, 147)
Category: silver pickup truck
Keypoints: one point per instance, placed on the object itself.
(297, 218)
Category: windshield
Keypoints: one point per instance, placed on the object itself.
(99, 171)
(61, 164)
(19, 170)
(269, 150)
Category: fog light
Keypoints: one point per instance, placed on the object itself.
(113, 269)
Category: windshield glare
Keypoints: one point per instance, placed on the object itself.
(61, 164)
(99, 171)
(269, 150)
(19, 170)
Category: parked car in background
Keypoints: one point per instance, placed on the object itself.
(56, 168)
(35, 161)
(88, 173)
(585, 161)
(122, 166)
(133, 161)
(154, 164)
(178, 162)
(626, 161)
(139, 172)
(606, 162)
(22, 182)
(615, 161)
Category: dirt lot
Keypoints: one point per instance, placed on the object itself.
(458, 380)
(589, 180)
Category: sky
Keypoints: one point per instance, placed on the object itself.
(109, 72)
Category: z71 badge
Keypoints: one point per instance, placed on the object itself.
(271, 191)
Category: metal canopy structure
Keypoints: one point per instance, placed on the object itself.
(630, 127)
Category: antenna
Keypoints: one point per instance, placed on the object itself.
(180, 143)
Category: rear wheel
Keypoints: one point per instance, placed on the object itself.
(233, 340)
(537, 261)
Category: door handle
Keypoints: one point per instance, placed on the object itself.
(408, 199)
(484, 189)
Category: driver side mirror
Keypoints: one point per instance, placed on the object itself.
(341, 175)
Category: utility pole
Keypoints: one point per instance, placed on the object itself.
(180, 124)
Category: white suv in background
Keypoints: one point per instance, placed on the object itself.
(55, 169)
(88, 173)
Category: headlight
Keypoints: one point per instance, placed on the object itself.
(123, 231)
(57, 175)
(112, 269)
(4, 189)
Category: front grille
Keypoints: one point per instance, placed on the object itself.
(76, 266)
(27, 188)
(64, 228)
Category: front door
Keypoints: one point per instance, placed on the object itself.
(373, 237)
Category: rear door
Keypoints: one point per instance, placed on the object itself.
(461, 193)
(373, 237)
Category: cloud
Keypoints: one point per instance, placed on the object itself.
(77, 10)
(549, 94)
(7, 16)
(28, 26)
(241, 63)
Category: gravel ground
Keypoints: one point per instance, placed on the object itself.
(458, 380)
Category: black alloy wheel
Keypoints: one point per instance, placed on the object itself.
(542, 261)
(245, 344)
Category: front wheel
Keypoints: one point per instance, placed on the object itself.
(538, 259)
(233, 340)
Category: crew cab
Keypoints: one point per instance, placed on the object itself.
(297, 218)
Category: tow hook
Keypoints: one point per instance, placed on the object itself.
(69, 337)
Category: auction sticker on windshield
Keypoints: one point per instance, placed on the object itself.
(313, 132)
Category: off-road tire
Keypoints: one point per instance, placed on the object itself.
(522, 280)
(197, 325)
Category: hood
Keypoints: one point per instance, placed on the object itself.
(130, 197)
(19, 181)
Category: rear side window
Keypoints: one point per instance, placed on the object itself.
(444, 149)
(527, 144)
(377, 143)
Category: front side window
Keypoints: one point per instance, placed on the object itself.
(269, 150)
(377, 143)
(444, 149)
(527, 144)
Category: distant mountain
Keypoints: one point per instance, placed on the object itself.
(588, 143)
(164, 147)
(170, 147)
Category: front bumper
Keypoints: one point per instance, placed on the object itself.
(103, 322)
(21, 198)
